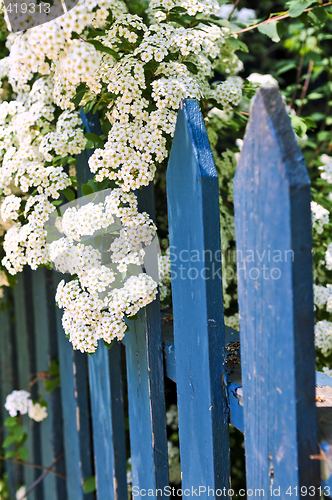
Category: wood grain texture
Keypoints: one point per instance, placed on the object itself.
(145, 379)
(76, 428)
(43, 357)
(25, 350)
(193, 209)
(108, 422)
(272, 216)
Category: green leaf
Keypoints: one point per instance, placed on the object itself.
(102, 185)
(56, 203)
(81, 91)
(86, 190)
(72, 161)
(298, 124)
(127, 330)
(18, 432)
(134, 317)
(191, 66)
(270, 30)
(297, 7)
(69, 194)
(317, 16)
(94, 138)
(315, 95)
(89, 484)
(102, 48)
(88, 107)
(51, 385)
(23, 453)
(286, 67)
(11, 421)
(310, 122)
(92, 184)
(10, 439)
(106, 344)
(10, 454)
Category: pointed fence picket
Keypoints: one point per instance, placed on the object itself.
(275, 403)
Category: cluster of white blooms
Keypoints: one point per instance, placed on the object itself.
(146, 71)
(140, 127)
(21, 493)
(323, 336)
(328, 257)
(327, 371)
(233, 321)
(50, 46)
(93, 308)
(28, 142)
(323, 296)
(320, 217)
(326, 168)
(20, 402)
(26, 243)
(68, 139)
(164, 270)
(37, 412)
(228, 93)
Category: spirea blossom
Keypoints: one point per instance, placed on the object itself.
(37, 412)
(323, 336)
(320, 217)
(18, 402)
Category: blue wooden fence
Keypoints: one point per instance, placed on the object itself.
(272, 400)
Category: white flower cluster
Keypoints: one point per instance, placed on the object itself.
(146, 71)
(20, 402)
(164, 270)
(140, 127)
(31, 51)
(320, 217)
(68, 139)
(328, 257)
(327, 371)
(27, 143)
(326, 168)
(323, 296)
(93, 309)
(323, 336)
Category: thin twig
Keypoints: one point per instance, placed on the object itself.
(233, 10)
(305, 87)
(41, 477)
(298, 76)
(36, 466)
(276, 18)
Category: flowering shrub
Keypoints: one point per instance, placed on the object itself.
(138, 71)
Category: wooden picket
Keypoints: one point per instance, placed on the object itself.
(274, 399)
(273, 219)
(192, 191)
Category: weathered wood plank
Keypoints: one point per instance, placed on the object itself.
(273, 235)
(193, 209)
(108, 422)
(25, 349)
(39, 302)
(55, 400)
(73, 373)
(46, 351)
(145, 379)
(8, 375)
